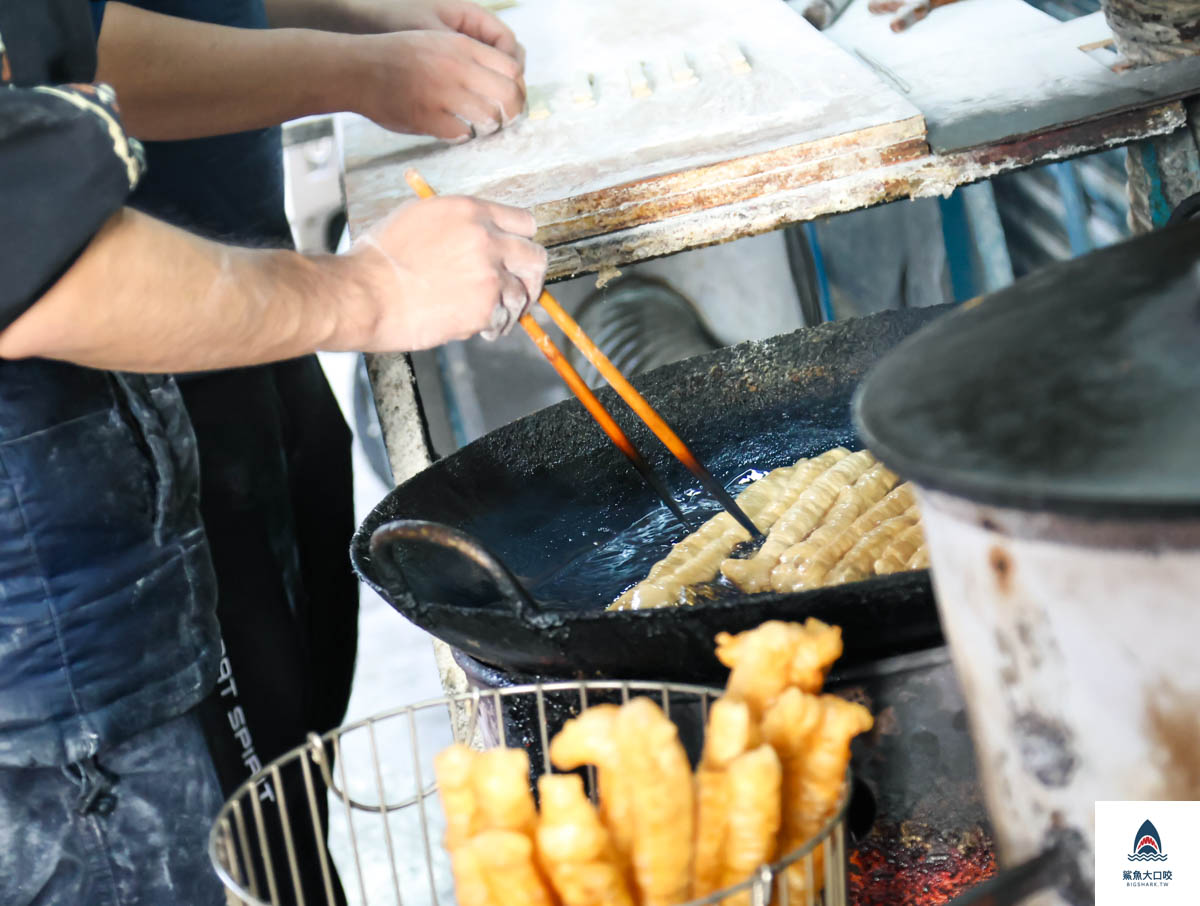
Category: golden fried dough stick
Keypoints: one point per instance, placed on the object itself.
(574, 847)
(859, 562)
(697, 557)
(591, 738)
(796, 575)
(897, 554)
(509, 870)
(470, 880)
(812, 736)
(452, 767)
(661, 798)
(788, 726)
(500, 779)
(797, 521)
(919, 560)
(768, 659)
(852, 502)
(755, 804)
(730, 732)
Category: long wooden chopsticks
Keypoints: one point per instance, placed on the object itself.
(582, 391)
(638, 403)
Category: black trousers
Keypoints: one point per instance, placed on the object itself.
(277, 502)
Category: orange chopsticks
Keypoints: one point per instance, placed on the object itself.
(642, 408)
(624, 389)
(581, 390)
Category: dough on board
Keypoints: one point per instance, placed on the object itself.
(734, 58)
(681, 69)
(639, 85)
(581, 90)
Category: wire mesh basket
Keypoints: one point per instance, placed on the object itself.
(370, 786)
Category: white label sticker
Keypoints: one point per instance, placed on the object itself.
(1147, 853)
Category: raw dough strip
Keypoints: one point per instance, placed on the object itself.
(639, 85)
(809, 573)
(582, 94)
(897, 554)
(919, 560)
(697, 557)
(754, 574)
(537, 102)
(733, 57)
(681, 70)
(859, 561)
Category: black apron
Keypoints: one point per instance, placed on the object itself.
(276, 485)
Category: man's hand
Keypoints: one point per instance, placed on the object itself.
(378, 16)
(436, 270)
(434, 83)
(460, 16)
(179, 79)
(442, 269)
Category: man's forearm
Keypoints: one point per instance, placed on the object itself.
(178, 79)
(145, 296)
(349, 16)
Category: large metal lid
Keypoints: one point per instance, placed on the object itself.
(1074, 390)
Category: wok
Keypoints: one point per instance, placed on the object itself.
(524, 536)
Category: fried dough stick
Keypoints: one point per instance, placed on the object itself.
(482, 792)
(796, 522)
(500, 779)
(896, 555)
(811, 735)
(767, 660)
(859, 562)
(509, 871)
(697, 558)
(452, 768)
(660, 781)
(591, 738)
(470, 876)
(575, 848)
(754, 782)
(852, 502)
(919, 560)
(797, 571)
(731, 731)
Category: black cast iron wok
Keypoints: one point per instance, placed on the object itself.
(530, 540)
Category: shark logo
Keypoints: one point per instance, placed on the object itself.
(1147, 845)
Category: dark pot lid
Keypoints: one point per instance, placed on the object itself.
(1075, 390)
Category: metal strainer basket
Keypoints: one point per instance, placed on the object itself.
(373, 782)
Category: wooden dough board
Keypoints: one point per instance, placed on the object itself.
(984, 71)
(806, 111)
